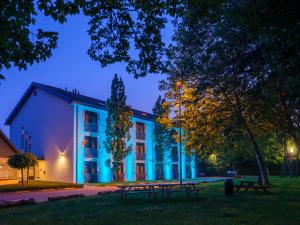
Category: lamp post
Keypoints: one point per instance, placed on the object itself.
(179, 86)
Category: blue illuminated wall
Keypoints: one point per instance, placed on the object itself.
(129, 164)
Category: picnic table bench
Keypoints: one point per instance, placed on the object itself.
(251, 184)
(156, 188)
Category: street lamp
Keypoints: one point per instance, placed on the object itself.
(291, 150)
(179, 86)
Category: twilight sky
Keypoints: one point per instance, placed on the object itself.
(71, 67)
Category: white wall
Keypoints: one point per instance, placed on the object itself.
(49, 120)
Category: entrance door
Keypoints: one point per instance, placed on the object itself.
(175, 171)
(90, 172)
(188, 171)
(140, 171)
(159, 171)
(119, 173)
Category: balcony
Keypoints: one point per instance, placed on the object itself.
(91, 177)
(140, 135)
(90, 152)
(140, 156)
(91, 127)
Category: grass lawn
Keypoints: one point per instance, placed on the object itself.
(36, 185)
(279, 207)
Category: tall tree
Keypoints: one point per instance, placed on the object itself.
(118, 123)
(163, 133)
(31, 161)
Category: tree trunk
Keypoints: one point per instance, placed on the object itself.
(117, 171)
(258, 155)
(261, 164)
(27, 175)
(22, 178)
(291, 130)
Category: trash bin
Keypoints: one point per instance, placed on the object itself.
(228, 187)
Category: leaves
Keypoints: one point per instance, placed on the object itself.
(118, 123)
(20, 44)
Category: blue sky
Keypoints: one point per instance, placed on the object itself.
(71, 67)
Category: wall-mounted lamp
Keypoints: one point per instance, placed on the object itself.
(61, 155)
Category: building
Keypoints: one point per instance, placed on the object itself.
(7, 174)
(68, 131)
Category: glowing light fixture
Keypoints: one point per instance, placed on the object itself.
(292, 150)
(61, 155)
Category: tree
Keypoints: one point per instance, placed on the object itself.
(163, 134)
(21, 43)
(218, 48)
(18, 161)
(21, 161)
(118, 123)
(116, 27)
(31, 161)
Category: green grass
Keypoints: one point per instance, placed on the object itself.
(279, 207)
(36, 185)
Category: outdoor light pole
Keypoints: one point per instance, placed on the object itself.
(179, 85)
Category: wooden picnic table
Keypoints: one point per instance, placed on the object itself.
(155, 188)
(251, 184)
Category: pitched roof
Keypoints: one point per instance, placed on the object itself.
(6, 147)
(69, 97)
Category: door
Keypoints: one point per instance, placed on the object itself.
(159, 171)
(140, 171)
(175, 171)
(90, 172)
(119, 173)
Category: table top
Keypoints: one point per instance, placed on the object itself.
(249, 181)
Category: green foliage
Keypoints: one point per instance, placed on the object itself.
(21, 43)
(118, 27)
(21, 161)
(18, 161)
(118, 123)
(163, 134)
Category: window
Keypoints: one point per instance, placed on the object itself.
(90, 117)
(140, 151)
(140, 131)
(174, 154)
(90, 172)
(90, 142)
(91, 121)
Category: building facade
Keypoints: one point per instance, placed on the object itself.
(8, 175)
(67, 130)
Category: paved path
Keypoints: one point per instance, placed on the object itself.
(42, 196)
(87, 190)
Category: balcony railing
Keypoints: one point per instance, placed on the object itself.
(140, 156)
(90, 152)
(91, 177)
(91, 127)
(141, 176)
(140, 135)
